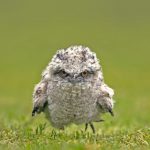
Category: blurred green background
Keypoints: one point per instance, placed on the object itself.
(118, 31)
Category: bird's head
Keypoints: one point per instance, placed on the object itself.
(76, 64)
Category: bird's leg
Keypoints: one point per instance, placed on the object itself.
(92, 127)
(86, 126)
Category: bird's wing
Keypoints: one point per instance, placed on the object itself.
(105, 99)
(40, 94)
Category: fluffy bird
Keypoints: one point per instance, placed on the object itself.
(72, 89)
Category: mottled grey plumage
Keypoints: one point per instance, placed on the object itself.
(72, 89)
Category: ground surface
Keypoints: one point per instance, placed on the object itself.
(30, 33)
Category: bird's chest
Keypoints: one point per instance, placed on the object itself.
(72, 103)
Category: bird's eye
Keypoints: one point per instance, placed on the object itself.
(63, 74)
(84, 73)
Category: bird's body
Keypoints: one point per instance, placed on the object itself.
(77, 104)
(72, 89)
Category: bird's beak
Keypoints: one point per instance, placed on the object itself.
(73, 80)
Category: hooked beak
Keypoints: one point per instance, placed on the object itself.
(74, 79)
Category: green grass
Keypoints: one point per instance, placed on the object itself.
(46, 138)
(31, 32)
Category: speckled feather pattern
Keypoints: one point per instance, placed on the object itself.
(82, 101)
